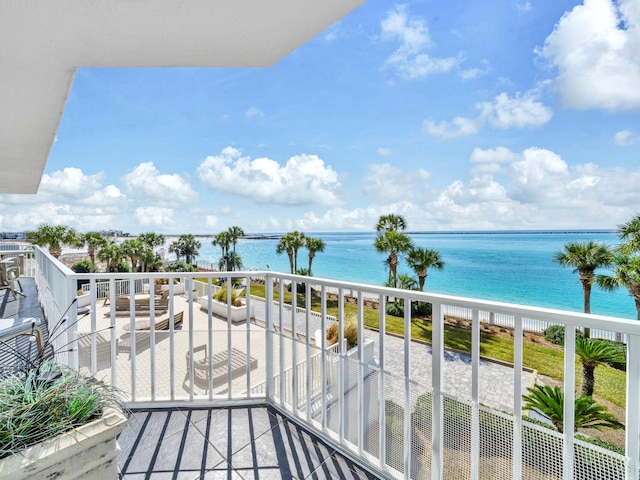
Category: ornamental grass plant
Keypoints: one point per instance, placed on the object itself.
(47, 400)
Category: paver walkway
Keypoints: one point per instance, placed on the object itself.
(496, 380)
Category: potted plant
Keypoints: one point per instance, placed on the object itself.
(219, 305)
(56, 422)
(351, 367)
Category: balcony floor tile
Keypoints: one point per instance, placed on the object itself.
(239, 443)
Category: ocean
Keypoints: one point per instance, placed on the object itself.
(514, 267)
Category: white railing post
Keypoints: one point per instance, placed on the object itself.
(569, 402)
(382, 414)
(517, 398)
(437, 353)
(269, 333)
(407, 388)
(632, 439)
(475, 395)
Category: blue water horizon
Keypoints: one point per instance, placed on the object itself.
(504, 266)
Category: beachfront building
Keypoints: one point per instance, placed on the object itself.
(253, 389)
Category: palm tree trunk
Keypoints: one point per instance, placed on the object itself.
(310, 262)
(586, 289)
(588, 380)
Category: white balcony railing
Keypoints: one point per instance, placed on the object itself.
(414, 411)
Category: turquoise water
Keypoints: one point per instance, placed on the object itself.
(501, 266)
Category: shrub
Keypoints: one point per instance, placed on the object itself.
(179, 266)
(555, 334)
(84, 266)
(395, 309)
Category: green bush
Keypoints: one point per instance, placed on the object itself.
(555, 334)
(84, 266)
(179, 266)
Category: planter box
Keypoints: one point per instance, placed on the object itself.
(350, 363)
(89, 452)
(84, 300)
(238, 314)
(178, 289)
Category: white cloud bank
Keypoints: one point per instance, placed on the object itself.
(503, 112)
(532, 189)
(594, 48)
(302, 180)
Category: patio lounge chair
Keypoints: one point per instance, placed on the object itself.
(219, 366)
(143, 334)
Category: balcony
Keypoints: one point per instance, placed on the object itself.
(390, 406)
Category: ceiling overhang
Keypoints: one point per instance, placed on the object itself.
(42, 42)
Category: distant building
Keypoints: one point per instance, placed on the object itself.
(13, 235)
(113, 233)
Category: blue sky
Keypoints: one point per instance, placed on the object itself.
(460, 115)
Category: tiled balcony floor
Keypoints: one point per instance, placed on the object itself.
(236, 443)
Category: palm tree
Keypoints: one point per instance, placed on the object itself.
(235, 233)
(391, 222)
(407, 282)
(421, 259)
(230, 262)
(291, 242)
(585, 258)
(223, 240)
(134, 249)
(626, 274)
(111, 254)
(176, 247)
(152, 239)
(550, 402)
(314, 245)
(594, 352)
(94, 242)
(392, 243)
(629, 232)
(189, 246)
(53, 237)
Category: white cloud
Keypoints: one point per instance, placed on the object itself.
(625, 138)
(491, 160)
(385, 152)
(386, 183)
(470, 73)
(410, 59)
(521, 111)
(524, 7)
(211, 221)
(302, 180)
(155, 217)
(254, 112)
(146, 182)
(594, 48)
(456, 128)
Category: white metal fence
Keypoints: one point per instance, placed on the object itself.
(397, 416)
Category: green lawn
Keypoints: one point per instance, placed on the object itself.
(609, 382)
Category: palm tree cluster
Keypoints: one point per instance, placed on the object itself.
(392, 240)
(585, 257)
(292, 242)
(229, 261)
(139, 251)
(186, 246)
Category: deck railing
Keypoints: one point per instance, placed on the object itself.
(400, 407)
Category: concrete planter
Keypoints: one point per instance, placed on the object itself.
(238, 314)
(351, 363)
(178, 289)
(84, 300)
(89, 452)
